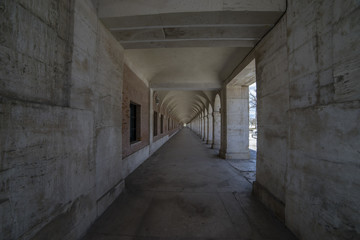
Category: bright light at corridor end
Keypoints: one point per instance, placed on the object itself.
(184, 124)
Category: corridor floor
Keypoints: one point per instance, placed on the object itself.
(184, 191)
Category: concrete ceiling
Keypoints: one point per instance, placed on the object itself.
(186, 48)
(246, 77)
(185, 68)
(188, 23)
(184, 105)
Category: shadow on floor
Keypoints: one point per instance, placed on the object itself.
(185, 192)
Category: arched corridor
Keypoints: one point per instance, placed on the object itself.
(146, 103)
(185, 191)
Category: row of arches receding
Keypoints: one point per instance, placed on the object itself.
(224, 122)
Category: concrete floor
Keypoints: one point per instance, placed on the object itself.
(184, 191)
(247, 168)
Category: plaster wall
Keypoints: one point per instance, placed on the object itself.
(167, 130)
(60, 119)
(134, 90)
(311, 159)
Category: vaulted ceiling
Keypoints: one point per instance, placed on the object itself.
(186, 49)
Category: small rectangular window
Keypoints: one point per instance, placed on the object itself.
(135, 118)
(155, 123)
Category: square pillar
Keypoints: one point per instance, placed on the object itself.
(235, 123)
(217, 130)
(151, 116)
(210, 129)
(201, 127)
(206, 129)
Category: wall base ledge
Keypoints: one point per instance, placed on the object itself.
(215, 146)
(237, 155)
(269, 200)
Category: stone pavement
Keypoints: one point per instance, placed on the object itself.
(184, 191)
(246, 167)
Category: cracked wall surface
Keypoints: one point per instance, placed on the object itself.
(61, 113)
(308, 91)
(60, 118)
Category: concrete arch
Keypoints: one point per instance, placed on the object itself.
(185, 105)
(210, 108)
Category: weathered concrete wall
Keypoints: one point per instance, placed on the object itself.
(272, 106)
(323, 192)
(235, 123)
(35, 50)
(60, 119)
(134, 90)
(308, 158)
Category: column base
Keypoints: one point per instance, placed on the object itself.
(209, 142)
(215, 146)
(237, 155)
(269, 200)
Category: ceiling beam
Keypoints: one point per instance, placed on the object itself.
(230, 25)
(185, 86)
(192, 34)
(189, 43)
(190, 39)
(146, 7)
(189, 19)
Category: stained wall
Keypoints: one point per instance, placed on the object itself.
(60, 119)
(324, 141)
(272, 117)
(135, 91)
(308, 93)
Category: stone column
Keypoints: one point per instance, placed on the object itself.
(199, 123)
(217, 128)
(151, 116)
(206, 129)
(197, 126)
(235, 120)
(211, 129)
(201, 127)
